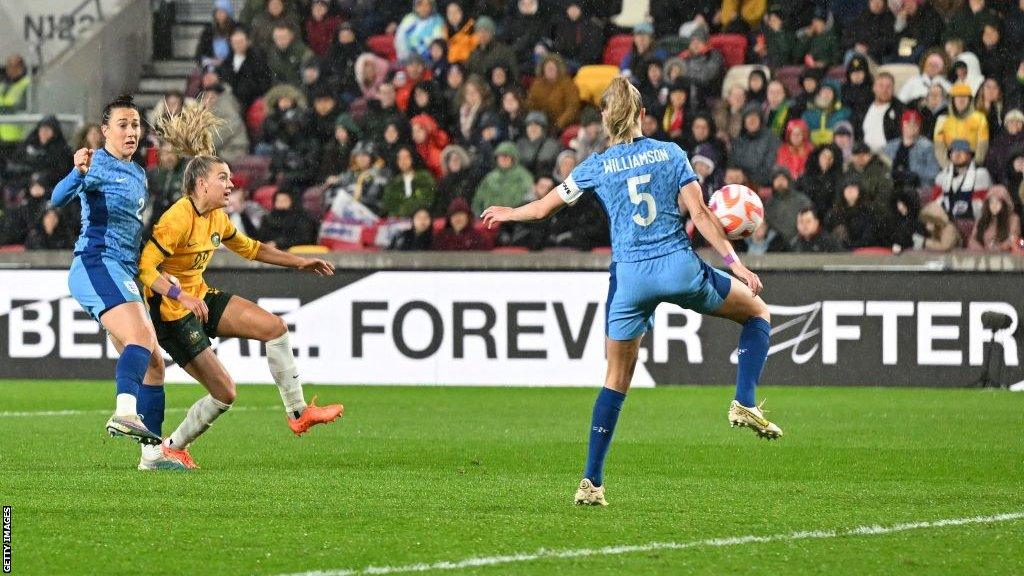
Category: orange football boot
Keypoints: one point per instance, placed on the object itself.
(314, 415)
(180, 455)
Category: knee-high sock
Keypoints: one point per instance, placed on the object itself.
(151, 407)
(286, 374)
(753, 351)
(200, 417)
(131, 368)
(602, 426)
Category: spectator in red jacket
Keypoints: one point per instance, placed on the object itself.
(321, 26)
(430, 140)
(795, 148)
(458, 232)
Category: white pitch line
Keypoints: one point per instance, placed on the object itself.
(545, 554)
(42, 413)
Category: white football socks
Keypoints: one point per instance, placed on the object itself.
(126, 405)
(199, 418)
(286, 374)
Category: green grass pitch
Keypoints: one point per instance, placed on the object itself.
(427, 475)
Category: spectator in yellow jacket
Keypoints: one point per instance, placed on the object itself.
(961, 122)
(742, 15)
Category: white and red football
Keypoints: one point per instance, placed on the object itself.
(738, 208)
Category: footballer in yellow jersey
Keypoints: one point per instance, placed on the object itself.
(187, 313)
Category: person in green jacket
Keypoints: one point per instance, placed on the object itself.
(780, 43)
(509, 184)
(410, 189)
(820, 45)
(287, 57)
(13, 100)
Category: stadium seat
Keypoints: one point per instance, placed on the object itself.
(873, 251)
(790, 78)
(254, 169)
(837, 72)
(264, 196)
(900, 73)
(254, 117)
(593, 80)
(738, 76)
(510, 250)
(489, 234)
(383, 45)
(309, 249)
(616, 49)
(313, 201)
(8, 248)
(732, 46)
(568, 134)
(602, 250)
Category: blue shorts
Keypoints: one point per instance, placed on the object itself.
(636, 289)
(99, 283)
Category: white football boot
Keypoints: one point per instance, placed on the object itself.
(154, 458)
(589, 495)
(753, 418)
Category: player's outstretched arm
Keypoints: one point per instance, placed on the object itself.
(65, 190)
(537, 210)
(710, 228)
(271, 255)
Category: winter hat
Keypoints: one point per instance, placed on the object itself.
(960, 89)
(643, 28)
(1012, 115)
(537, 117)
(486, 23)
(459, 204)
(364, 147)
(960, 145)
(911, 115)
(226, 6)
(843, 128)
(861, 148)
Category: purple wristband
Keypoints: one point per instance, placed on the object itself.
(729, 259)
(174, 292)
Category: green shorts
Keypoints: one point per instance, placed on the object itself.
(185, 338)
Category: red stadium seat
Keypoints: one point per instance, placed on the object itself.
(264, 196)
(510, 250)
(790, 78)
(732, 46)
(874, 251)
(489, 234)
(602, 250)
(383, 45)
(616, 48)
(255, 115)
(439, 224)
(254, 169)
(8, 248)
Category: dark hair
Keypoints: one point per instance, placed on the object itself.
(803, 211)
(122, 101)
(1002, 222)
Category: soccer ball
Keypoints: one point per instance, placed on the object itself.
(738, 208)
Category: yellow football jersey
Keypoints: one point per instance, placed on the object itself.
(182, 244)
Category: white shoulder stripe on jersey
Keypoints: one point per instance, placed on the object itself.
(569, 191)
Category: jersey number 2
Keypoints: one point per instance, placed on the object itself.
(636, 197)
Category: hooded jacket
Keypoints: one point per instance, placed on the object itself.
(403, 199)
(755, 152)
(430, 149)
(920, 159)
(504, 187)
(794, 158)
(822, 122)
(414, 34)
(944, 235)
(466, 239)
(51, 160)
(970, 125)
(820, 186)
(368, 86)
(876, 184)
(461, 184)
(962, 192)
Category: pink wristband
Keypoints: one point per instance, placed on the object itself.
(174, 292)
(729, 258)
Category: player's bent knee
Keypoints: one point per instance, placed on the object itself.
(275, 329)
(226, 394)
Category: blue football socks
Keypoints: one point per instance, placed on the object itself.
(753, 351)
(602, 426)
(151, 407)
(131, 368)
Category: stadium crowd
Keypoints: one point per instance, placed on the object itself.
(864, 124)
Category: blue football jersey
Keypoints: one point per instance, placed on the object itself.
(638, 184)
(113, 195)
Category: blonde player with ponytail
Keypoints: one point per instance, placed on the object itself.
(642, 183)
(188, 313)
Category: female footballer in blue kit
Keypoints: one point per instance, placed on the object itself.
(112, 190)
(642, 183)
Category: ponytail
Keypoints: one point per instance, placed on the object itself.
(191, 133)
(621, 103)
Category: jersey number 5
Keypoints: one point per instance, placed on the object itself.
(636, 197)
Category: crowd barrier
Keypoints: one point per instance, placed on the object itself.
(539, 320)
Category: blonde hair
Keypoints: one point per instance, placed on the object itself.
(621, 103)
(191, 133)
